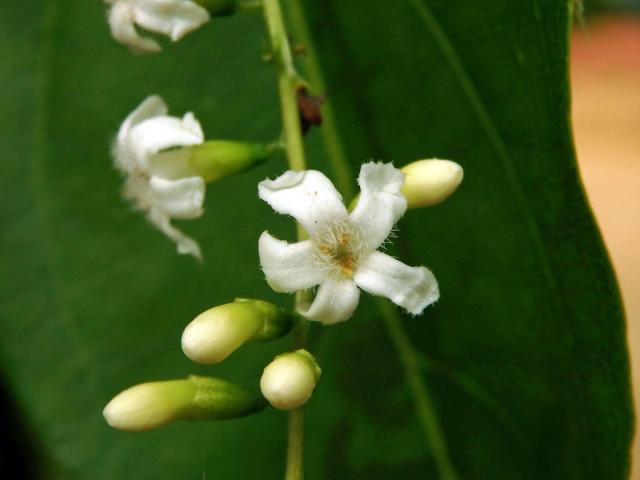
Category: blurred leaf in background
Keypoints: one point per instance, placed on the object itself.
(525, 353)
(592, 7)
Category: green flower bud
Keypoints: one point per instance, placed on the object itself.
(289, 380)
(429, 182)
(215, 334)
(155, 404)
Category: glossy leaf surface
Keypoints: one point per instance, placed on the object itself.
(525, 352)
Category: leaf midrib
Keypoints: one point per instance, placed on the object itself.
(38, 186)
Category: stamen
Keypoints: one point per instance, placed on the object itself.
(339, 248)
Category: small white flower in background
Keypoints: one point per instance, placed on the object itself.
(159, 181)
(341, 254)
(173, 18)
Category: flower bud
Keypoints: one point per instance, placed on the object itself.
(215, 334)
(289, 380)
(216, 159)
(429, 182)
(155, 404)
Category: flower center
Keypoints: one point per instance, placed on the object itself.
(339, 248)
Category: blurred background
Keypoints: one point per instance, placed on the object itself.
(605, 71)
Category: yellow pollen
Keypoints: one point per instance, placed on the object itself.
(340, 254)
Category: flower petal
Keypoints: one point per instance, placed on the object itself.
(152, 106)
(381, 204)
(159, 133)
(335, 301)
(121, 19)
(288, 267)
(174, 18)
(180, 198)
(413, 288)
(172, 164)
(308, 196)
(185, 244)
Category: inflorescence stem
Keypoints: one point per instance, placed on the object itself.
(292, 133)
(287, 79)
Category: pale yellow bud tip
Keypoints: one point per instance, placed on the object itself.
(149, 405)
(154, 404)
(215, 334)
(289, 380)
(429, 182)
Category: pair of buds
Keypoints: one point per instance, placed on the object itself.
(286, 383)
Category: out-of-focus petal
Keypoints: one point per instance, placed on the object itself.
(184, 244)
(159, 133)
(121, 22)
(152, 106)
(173, 18)
(180, 198)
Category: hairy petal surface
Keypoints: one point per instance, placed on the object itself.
(412, 288)
(380, 204)
(288, 267)
(335, 301)
(308, 196)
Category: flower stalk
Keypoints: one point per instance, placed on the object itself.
(288, 81)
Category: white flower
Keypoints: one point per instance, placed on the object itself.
(173, 18)
(341, 254)
(159, 182)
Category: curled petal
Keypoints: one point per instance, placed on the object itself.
(185, 244)
(160, 133)
(381, 204)
(152, 106)
(288, 267)
(335, 301)
(180, 198)
(173, 18)
(158, 181)
(121, 21)
(308, 196)
(412, 288)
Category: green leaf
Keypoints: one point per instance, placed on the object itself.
(524, 355)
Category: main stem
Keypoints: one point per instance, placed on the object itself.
(287, 79)
(292, 133)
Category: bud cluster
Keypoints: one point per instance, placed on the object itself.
(286, 383)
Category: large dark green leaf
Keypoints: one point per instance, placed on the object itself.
(524, 354)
